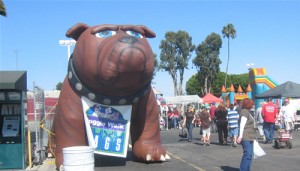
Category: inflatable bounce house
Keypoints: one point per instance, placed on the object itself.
(234, 96)
(259, 82)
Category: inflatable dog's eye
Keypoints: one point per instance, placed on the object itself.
(105, 33)
(135, 34)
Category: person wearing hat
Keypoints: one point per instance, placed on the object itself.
(269, 113)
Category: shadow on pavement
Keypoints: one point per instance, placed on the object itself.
(182, 140)
(108, 161)
(228, 168)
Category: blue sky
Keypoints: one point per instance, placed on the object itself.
(267, 33)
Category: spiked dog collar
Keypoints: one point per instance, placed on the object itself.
(82, 90)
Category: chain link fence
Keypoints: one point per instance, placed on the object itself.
(40, 116)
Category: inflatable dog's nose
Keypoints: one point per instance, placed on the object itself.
(128, 39)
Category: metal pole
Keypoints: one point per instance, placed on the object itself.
(44, 134)
(36, 154)
(68, 43)
(29, 148)
(69, 51)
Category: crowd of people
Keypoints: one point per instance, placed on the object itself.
(170, 118)
(238, 122)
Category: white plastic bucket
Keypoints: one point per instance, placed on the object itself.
(78, 158)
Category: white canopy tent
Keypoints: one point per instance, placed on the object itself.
(178, 100)
(183, 99)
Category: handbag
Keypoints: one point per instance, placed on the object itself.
(183, 133)
(257, 150)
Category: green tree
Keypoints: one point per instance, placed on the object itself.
(175, 54)
(156, 65)
(207, 61)
(156, 68)
(193, 85)
(229, 32)
(239, 79)
(235, 79)
(58, 86)
(219, 82)
(2, 9)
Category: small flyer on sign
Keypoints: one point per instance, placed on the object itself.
(107, 127)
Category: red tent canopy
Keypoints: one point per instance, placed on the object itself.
(209, 98)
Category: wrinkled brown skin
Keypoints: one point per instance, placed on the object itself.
(99, 65)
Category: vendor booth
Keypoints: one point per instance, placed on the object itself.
(13, 87)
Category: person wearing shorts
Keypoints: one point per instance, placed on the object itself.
(233, 119)
(205, 123)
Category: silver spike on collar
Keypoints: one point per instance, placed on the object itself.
(80, 88)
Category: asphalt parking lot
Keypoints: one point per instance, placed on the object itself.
(193, 156)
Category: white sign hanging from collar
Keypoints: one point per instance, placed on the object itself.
(107, 127)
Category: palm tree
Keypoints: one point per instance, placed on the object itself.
(229, 32)
(2, 9)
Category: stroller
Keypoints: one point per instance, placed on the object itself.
(283, 137)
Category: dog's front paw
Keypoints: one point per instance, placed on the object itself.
(150, 152)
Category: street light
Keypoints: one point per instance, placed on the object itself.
(250, 66)
(68, 43)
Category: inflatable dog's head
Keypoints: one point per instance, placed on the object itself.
(114, 60)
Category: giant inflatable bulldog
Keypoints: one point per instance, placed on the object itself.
(110, 65)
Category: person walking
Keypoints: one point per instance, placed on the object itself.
(260, 121)
(175, 118)
(246, 134)
(237, 106)
(170, 118)
(222, 123)
(289, 116)
(212, 110)
(205, 125)
(188, 121)
(280, 117)
(233, 125)
(269, 112)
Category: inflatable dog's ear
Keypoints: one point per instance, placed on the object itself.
(148, 33)
(75, 31)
